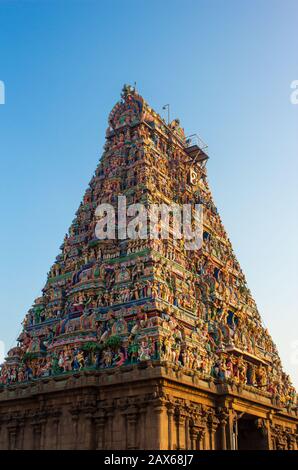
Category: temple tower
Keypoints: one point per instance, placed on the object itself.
(141, 341)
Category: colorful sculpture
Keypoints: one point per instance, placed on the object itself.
(114, 303)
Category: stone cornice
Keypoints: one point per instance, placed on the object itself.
(138, 375)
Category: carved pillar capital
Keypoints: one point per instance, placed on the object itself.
(170, 409)
(212, 422)
(292, 440)
(197, 434)
(223, 417)
(262, 426)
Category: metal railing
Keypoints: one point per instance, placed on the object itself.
(195, 141)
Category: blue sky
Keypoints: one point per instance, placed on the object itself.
(224, 66)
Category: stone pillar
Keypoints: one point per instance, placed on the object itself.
(187, 443)
(75, 415)
(57, 437)
(142, 425)
(37, 435)
(193, 436)
(180, 430)
(19, 434)
(89, 442)
(223, 439)
(171, 427)
(131, 427)
(157, 424)
(231, 429)
(212, 425)
(163, 425)
(223, 420)
(12, 437)
(109, 434)
(201, 438)
(100, 421)
(197, 436)
(82, 419)
(270, 431)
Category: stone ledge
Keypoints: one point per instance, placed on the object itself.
(139, 373)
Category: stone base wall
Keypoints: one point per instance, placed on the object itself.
(141, 408)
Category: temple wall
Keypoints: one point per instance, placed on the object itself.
(147, 409)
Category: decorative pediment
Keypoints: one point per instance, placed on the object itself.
(127, 111)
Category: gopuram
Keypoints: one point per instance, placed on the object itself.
(140, 343)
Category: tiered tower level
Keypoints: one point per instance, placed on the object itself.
(143, 343)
